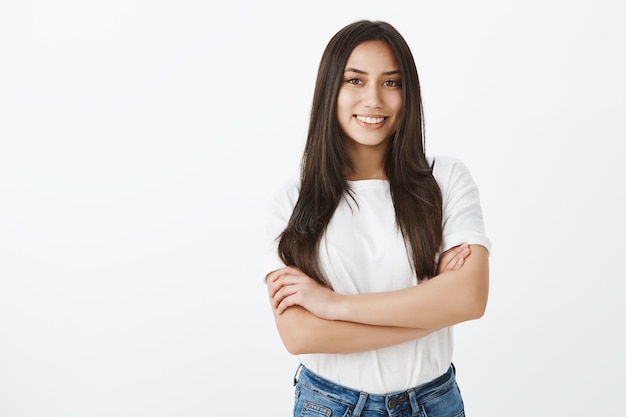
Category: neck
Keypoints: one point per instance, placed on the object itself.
(367, 163)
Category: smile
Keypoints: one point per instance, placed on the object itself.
(370, 120)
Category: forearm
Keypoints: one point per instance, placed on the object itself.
(442, 301)
(303, 332)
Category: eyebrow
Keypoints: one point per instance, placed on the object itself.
(358, 71)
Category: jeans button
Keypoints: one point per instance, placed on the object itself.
(394, 402)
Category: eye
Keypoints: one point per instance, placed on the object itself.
(354, 81)
(392, 83)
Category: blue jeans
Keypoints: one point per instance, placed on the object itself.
(318, 397)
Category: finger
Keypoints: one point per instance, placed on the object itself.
(459, 259)
(276, 280)
(459, 250)
(286, 299)
(272, 276)
(453, 258)
(285, 281)
(287, 270)
(280, 282)
(286, 302)
(283, 293)
(450, 254)
(274, 287)
(449, 266)
(448, 259)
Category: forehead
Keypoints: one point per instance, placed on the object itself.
(372, 56)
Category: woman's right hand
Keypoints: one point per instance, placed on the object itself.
(453, 258)
(290, 286)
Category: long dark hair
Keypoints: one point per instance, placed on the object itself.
(414, 191)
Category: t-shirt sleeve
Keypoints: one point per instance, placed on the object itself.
(462, 212)
(278, 212)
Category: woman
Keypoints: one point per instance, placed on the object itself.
(379, 250)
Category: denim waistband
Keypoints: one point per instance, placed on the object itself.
(414, 396)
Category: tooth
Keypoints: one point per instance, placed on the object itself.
(371, 120)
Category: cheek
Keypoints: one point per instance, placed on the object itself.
(395, 102)
(345, 111)
(395, 105)
(343, 102)
(343, 121)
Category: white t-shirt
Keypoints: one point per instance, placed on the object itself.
(363, 251)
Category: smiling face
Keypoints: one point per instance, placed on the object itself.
(370, 97)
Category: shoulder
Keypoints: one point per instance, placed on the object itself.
(462, 212)
(279, 206)
(285, 195)
(449, 170)
(289, 188)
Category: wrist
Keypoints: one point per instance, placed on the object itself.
(341, 307)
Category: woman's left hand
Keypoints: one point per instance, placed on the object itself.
(453, 258)
(290, 286)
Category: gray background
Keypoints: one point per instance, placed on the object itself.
(139, 141)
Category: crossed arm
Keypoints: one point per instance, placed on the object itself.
(314, 319)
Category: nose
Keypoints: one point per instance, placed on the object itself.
(372, 97)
